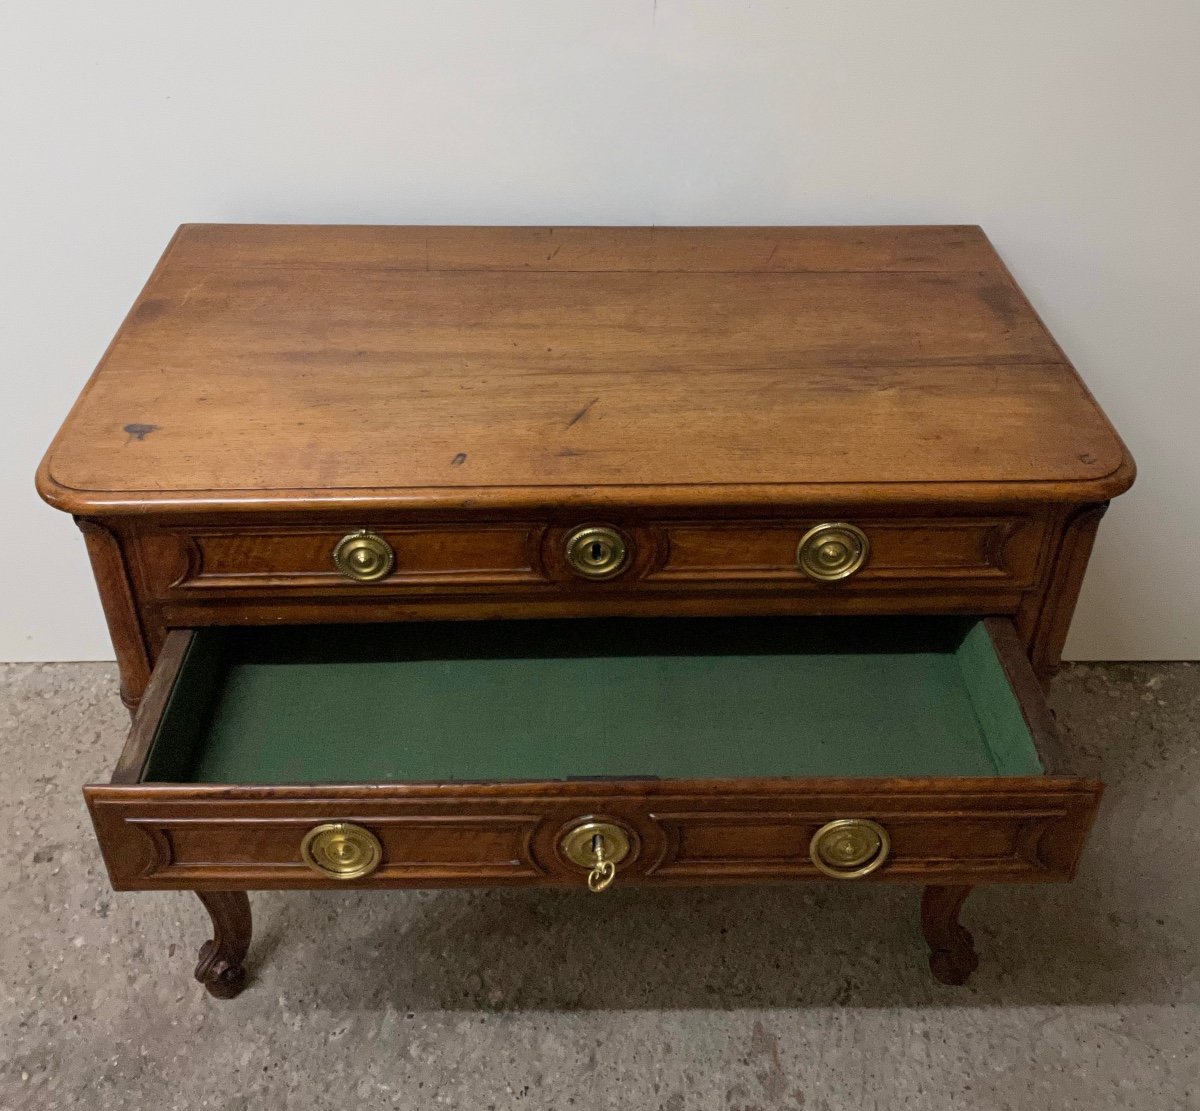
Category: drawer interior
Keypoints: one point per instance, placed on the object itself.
(677, 698)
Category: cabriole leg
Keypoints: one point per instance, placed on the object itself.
(952, 955)
(220, 967)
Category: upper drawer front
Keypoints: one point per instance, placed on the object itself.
(665, 558)
(999, 550)
(282, 558)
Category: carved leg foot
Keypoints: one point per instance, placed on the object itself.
(952, 955)
(220, 966)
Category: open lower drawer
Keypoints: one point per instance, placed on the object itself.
(748, 749)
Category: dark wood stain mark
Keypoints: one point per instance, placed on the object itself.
(139, 431)
(582, 413)
(1002, 300)
(459, 459)
(150, 309)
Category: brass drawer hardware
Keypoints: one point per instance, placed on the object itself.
(341, 850)
(364, 556)
(599, 847)
(849, 848)
(597, 552)
(831, 552)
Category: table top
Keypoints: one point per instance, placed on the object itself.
(286, 367)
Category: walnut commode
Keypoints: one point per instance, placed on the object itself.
(586, 557)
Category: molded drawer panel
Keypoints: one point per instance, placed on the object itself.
(254, 574)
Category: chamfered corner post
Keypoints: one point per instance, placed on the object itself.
(952, 956)
(220, 968)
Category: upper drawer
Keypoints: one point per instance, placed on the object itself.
(635, 557)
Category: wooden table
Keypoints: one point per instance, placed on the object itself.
(440, 556)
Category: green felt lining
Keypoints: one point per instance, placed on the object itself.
(675, 698)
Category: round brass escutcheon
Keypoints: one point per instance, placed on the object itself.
(597, 552)
(581, 843)
(341, 850)
(363, 556)
(849, 848)
(831, 552)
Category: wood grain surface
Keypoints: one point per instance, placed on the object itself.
(269, 368)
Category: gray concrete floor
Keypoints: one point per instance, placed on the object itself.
(805, 997)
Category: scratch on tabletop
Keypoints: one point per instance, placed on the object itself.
(582, 413)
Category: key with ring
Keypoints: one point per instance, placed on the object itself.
(604, 871)
(597, 847)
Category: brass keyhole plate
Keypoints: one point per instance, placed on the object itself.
(579, 843)
(597, 552)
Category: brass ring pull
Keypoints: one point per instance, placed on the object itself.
(599, 847)
(832, 552)
(849, 848)
(363, 556)
(341, 851)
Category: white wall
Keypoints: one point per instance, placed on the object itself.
(1068, 129)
